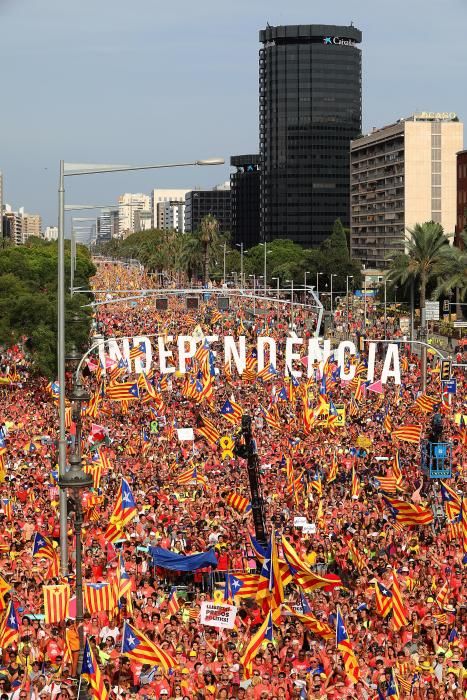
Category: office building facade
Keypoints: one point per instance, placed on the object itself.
(309, 111)
(128, 205)
(245, 193)
(160, 198)
(200, 203)
(402, 174)
(171, 215)
(461, 223)
(108, 224)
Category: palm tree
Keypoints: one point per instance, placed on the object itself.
(426, 247)
(208, 235)
(191, 258)
(452, 271)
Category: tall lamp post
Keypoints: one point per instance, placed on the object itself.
(305, 275)
(332, 309)
(347, 300)
(291, 303)
(240, 245)
(74, 170)
(317, 282)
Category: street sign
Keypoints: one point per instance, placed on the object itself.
(460, 324)
(432, 310)
(450, 386)
(404, 324)
(445, 371)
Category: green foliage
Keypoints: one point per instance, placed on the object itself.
(427, 247)
(28, 300)
(451, 271)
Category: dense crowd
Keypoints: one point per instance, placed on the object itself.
(353, 537)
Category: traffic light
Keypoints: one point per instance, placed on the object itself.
(445, 372)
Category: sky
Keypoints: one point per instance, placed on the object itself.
(147, 81)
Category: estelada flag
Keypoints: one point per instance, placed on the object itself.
(409, 433)
(56, 599)
(99, 597)
(408, 513)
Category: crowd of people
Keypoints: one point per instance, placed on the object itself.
(335, 477)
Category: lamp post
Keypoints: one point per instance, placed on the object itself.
(317, 282)
(240, 245)
(291, 303)
(305, 274)
(74, 170)
(333, 275)
(225, 251)
(347, 300)
(266, 251)
(277, 291)
(76, 481)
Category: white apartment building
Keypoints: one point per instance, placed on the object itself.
(51, 233)
(128, 205)
(171, 216)
(162, 218)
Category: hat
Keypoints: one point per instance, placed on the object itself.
(425, 666)
(185, 670)
(430, 600)
(449, 608)
(163, 691)
(192, 653)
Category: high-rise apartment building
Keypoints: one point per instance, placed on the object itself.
(32, 225)
(171, 215)
(108, 224)
(162, 218)
(200, 203)
(51, 233)
(128, 205)
(461, 224)
(402, 174)
(143, 220)
(309, 111)
(244, 190)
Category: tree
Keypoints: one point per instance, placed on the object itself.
(426, 248)
(452, 273)
(208, 236)
(28, 300)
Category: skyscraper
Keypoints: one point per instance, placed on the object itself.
(309, 111)
(244, 188)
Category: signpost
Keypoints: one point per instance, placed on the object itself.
(431, 310)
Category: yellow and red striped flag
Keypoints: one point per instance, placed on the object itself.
(99, 597)
(9, 628)
(56, 599)
(91, 669)
(239, 503)
(383, 599)
(332, 470)
(409, 433)
(140, 649)
(355, 484)
(264, 632)
(408, 513)
(208, 430)
(173, 606)
(399, 618)
(425, 404)
(345, 647)
(360, 561)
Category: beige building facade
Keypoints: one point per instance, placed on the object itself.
(401, 175)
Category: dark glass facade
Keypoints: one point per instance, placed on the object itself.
(244, 188)
(200, 203)
(309, 111)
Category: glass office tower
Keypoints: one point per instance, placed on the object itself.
(309, 111)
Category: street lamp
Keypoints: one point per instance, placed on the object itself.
(72, 170)
(333, 275)
(277, 291)
(291, 303)
(317, 282)
(348, 277)
(240, 245)
(266, 253)
(307, 272)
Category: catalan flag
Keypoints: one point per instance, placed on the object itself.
(99, 597)
(208, 430)
(387, 422)
(270, 588)
(268, 373)
(232, 412)
(387, 484)
(4, 589)
(42, 546)
(396, 468)
(241, 585)
(124, 511)
(408, 433)
(451, 501)
(9, 633)
(344, 645)
(123, 585)
(307, 579)
(332, 474)
(425, 404)
(264, 632)
(173, 606)
(399, 618)
(383, 598)
(312, 624)
(356, 556)
(408, 513)
(137, 351)
(442, 595)
(271, 419)
(239, 503)
(355, 484)
(140, 649)
(91, 669)
(56, 599)
(123, 391)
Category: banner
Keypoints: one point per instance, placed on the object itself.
(216, 615)
(178, 562)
